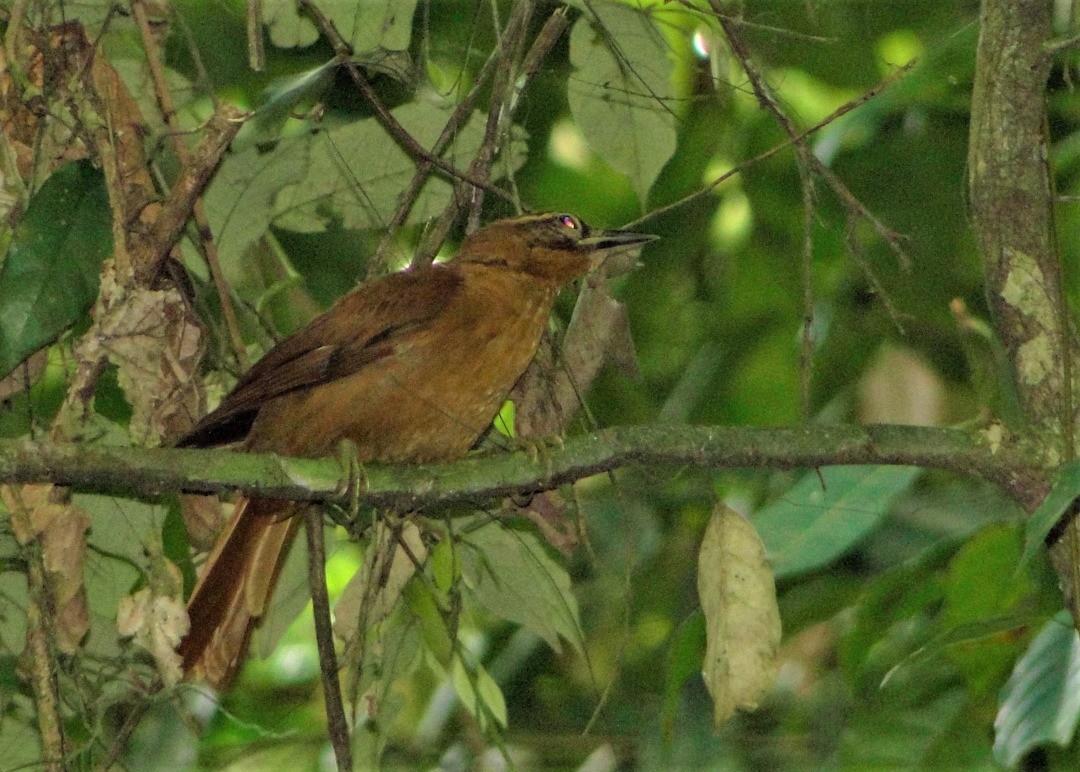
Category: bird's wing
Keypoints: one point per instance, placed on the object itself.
(365, 326)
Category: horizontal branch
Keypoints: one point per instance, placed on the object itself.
(150, 471)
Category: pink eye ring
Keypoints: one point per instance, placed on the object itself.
(568, 221)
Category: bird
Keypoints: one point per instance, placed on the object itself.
(410, 367)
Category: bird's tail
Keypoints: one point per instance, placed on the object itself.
(234, 589)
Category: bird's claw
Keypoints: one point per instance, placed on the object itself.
(354, 482)
(539, 448)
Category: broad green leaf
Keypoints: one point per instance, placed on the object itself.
(1063, 492)
(900, 593)
(683, 662)
(51, 273)
(901, 725)
(22, 740)
(1041, 702)
(124, 533)
(239, 200)
(982, 584)
(365, 24)
(978, 631)
(811, 525)
(514, 574)
(742, 621)
(479, 693)
(890, 736)
(355, 172)
(621, 93)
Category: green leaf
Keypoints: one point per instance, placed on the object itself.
(1041, 702)
(1063, 492)
(900, 726)
(514, 574)
(899, 594)
(621, 91)
(52, 270)
(811, 525)
(479, 693)
(683, 663)
(981, 585)
(355, 172)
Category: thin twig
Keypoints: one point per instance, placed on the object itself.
(500, 103)
(337, 725)
(806, 350)
(500, 115)
(408, 197)
(481, 163)
(202, 222)
(177, 208)
(382, 112)
(41, 660)
(256, 54)
(844, 109)
(768, 101)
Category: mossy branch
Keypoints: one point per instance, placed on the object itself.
(1011, 464)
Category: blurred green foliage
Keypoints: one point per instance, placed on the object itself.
(898, 642)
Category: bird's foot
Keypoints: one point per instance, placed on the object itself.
(353, 483)
(539, 448)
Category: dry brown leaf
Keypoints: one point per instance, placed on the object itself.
(42, 513)
(742, 620)
(548, 511)
(156, 344)
(157, 623)
(204, 517)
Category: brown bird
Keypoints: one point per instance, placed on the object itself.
(410, 367)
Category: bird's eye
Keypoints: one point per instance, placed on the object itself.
(569, 222)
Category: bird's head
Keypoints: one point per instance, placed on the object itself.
(552, 247)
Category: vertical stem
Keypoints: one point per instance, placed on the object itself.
(324, 636)
(1011, 200)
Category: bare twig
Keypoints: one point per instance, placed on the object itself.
(545, 40)
(177, 208)
(500, 115)
(41, 645)
(202, 222)
(844, 109)
(806, 350)
(382, 113)
(423, 168)
(500, 104)
(324, 636)
(256, 54)
(768, 100)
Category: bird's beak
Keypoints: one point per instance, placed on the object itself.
(612, 239)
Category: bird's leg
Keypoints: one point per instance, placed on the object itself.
(353, 483)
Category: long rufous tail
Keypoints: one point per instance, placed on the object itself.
(234, 589)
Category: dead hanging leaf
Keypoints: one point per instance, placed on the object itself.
(204, 517)
(42, 513)
(157, 623)
(155, 615)
(742, 620)
(550, 512)
(549, 394)
(156, 344)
